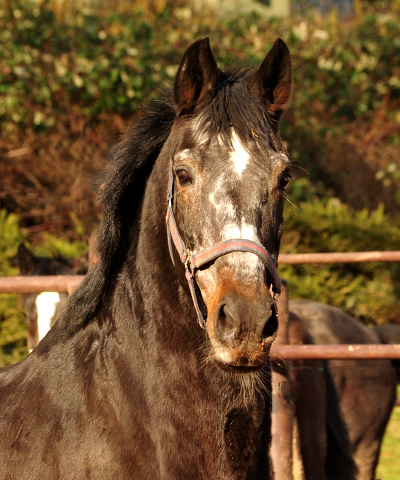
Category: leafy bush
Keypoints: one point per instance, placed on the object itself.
(12, 321)
(100, 63)
(12, 325)
(369, 291)
(62, 71)
(343, 126)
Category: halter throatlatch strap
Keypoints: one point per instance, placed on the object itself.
(194, 261)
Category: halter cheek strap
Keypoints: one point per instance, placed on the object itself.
(194, 261)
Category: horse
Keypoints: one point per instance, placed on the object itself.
(41, 310)
(366, 388)
(389, 334)
(322, 449)
(158, 365)
(318, 459)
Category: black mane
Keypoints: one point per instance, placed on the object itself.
(125, 177)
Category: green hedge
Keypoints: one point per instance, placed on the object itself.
(12, 321)
(90, 62)
(12, 324)
(104, 61)
(369, 291)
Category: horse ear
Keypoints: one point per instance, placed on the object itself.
(272, 82)
(197, 78)
(26, 260)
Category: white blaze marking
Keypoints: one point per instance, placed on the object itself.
(249, 231)
(46, 304)
(239, 156)
(242, 230)
(220, 203)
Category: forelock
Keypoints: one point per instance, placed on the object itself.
(233, 106)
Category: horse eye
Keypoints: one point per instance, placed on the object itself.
(183, 177)
(285, 181)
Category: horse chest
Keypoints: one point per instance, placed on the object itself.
(213, 440)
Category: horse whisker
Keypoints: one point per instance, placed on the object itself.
(286, 197)
(301, 168)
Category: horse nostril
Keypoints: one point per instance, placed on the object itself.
(227, 323)
(271, 326)
(235, 322)
(221, 316)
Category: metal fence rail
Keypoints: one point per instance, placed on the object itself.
(40, 283)
(335, 352)
(338, 257)
(68, 283)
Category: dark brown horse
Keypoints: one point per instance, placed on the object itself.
(158, 368)
(389, 334)
(321, 447)
(366, 388)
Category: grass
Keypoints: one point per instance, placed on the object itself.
(389, 465)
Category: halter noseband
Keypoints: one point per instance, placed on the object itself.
(194, 261)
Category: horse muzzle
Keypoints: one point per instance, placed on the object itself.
(243, 335)
(242, 320)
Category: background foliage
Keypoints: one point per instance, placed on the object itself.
(13, 345)
(71, 79)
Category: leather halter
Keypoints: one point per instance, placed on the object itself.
(193, 261)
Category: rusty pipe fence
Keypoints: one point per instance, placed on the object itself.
(68, 283)
(330, 352)
(285, 436)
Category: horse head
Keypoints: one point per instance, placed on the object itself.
(228, 173)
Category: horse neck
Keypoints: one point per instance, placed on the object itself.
(166, 351)
(164, 309)
(154, 288)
